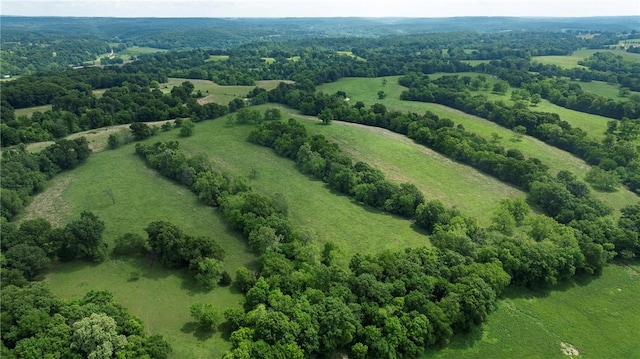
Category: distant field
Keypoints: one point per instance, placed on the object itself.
(161, 298)
(597, 316)
(350, 54)
(602, 89)
(572, 60)
(268, 60)
(366, 89)
(30, 110)
(217, 93)
(218, 57)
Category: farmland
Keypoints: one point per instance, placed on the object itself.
(353, 222)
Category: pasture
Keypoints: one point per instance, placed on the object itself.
(366, 89)
(596, 316)
(572, 60)
(216, 93)
(118, 187)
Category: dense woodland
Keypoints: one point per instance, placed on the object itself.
(299, 303)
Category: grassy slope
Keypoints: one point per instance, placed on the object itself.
(366, 89)
(598, 316)
(603, 89)
(331, 217)
(161, 297)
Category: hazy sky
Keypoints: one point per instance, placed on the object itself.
(319, 8)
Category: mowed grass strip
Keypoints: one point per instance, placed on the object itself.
(161, 298)
(366, 89)
(597, 316)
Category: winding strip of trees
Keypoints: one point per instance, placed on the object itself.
(616, 153)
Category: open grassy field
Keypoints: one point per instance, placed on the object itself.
(218, 57)
(366, 89)
(28, 111)
(596, 316)
(571, 61)
(602, 89)
(328, 216)
(160, 297)
(217, 93)
(350, 54)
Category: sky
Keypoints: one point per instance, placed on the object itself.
(320, 8)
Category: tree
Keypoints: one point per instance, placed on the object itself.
(535, 99)
(141, 130)
(83, 239)
(519, 132)
(501, 87)
(326, 115)
(30, 260)
(187, 128)
(272, 114)
(206, 315)
(381, 95)
(96, 336)
(602, 180)
(209, 272)
(166, 241)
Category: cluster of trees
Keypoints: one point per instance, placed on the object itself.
(617, 152)
(24, 173)
(203, 256)
(29, 249)
(37, 324)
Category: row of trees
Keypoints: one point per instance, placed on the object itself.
(617, 152)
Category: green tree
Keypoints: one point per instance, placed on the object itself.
(381, 95)
(206, 315)
(209, 272)
(603, 180)
(501, 87)
(82, 238)
(187, 128)
(141, 130)
(326, 116)
(30, 260)
(96, 336)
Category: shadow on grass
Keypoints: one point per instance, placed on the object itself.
(458, 343)
(199, 333)
(579, 280)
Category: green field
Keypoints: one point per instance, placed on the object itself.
(572, 60)
(586, 314)
(218, 57)
(602, 89)
(350, 54)
(598, 316)
(28, 111)
(161, 298)
(366, 89)
(216, 93)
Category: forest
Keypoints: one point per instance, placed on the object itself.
(300, 296)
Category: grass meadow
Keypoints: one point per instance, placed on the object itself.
(160, 297)
(571, 61)
(596, 316)
(366, 89)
